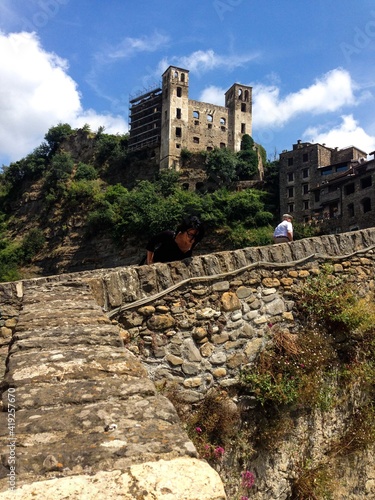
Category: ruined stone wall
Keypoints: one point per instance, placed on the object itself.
(203, 133)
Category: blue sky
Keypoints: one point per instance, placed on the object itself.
(310, 63)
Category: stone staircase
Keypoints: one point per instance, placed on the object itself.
(89, 422)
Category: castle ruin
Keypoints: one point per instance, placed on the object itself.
(166, 121)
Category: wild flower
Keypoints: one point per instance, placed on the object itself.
(198, 430)
(219, 452)
(248, 479)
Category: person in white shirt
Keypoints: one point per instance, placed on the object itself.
(284, 231)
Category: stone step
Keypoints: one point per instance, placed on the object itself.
(58, 337)
(107, 435)
(82, 362)
(72, 392)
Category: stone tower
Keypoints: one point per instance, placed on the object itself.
(238, 100)
(174, 120)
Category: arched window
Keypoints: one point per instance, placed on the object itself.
(196, 115)
(210, 118)
(222, 121)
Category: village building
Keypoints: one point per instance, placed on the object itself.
(329, 187)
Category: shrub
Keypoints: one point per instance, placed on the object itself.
(86, 172)
(328, 301)
(32, 243)
(86, 191)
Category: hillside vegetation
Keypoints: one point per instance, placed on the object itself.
(81, 200)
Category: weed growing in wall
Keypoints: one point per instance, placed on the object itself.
(313, 483)
(292, 370)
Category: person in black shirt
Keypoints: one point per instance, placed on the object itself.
(169, 245)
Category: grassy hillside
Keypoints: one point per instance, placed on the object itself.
(81, 200)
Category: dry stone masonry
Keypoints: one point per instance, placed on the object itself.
(86, 352)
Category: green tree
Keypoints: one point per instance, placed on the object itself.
(221, 165)
(247, 166)
(86, 172)
(56, 135)
(60, 169)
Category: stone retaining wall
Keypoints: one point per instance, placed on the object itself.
(200, 337)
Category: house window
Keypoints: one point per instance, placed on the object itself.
(178, 145)
(290, 176)
(305, 157)
(196, 140)
(317, 196)
(351, 210)
(178, 132)
(209, 125)
(222, 145)
(366, 182)
(326, 171)
(209, 148)
(366, 205)
(290, 192)
(349, 189)
(223, 129)
(196, 122)
(182, 77)
(196, 115)
(305, 173)
(243, 128)
(342, 168)
(305, 189)
(291, 208)
(243, 107)
(179, 91)
(305, 205)
(223, 121)
(290, 162)
(209, 118)
(178, 113)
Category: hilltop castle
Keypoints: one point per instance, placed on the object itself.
(165, 120)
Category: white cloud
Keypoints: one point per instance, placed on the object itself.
(347, 133)
(36, 94)
(329, 93)
(202, 61)
(129, 47)
(213, 95)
